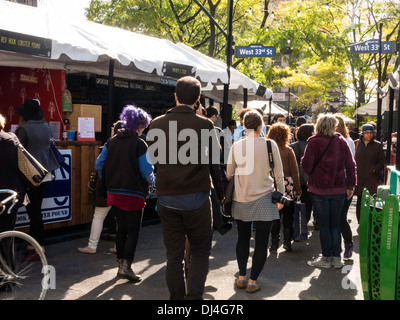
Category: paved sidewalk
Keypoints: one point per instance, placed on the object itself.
(286, 276)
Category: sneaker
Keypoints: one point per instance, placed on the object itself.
(337, 262)
(112, 250)
(321, 262)
(241, 283)
(87, 250)
(348, 251)
(252, 287)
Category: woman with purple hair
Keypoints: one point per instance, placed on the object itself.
(127, 174)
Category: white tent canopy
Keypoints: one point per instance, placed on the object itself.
(82, 46)
(263, 105)
(371, 108)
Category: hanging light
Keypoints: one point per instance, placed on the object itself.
(327, 6)
(272, 14)
(298, 13)
(250, 11)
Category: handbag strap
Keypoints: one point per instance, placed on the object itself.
(271, 161)
(323, 153)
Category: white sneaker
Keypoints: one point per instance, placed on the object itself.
(87, 250)
(337, 262)
(321, 262)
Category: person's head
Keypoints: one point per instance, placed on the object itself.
(341, 127)
(253, 121)
(232, 125)
(2, 122)
(116, 126)
(300, 120)
(135, 119)
(212, 114)
(280, 133)
(30, 110)
(278, 117)
(187, 91)
(326, 124)
(367, 131)
(242, 113)
(305, 131)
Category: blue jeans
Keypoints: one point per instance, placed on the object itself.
(327, 211)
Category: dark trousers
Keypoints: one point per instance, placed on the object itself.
(197, 226)
(328, 210)
(34, 210)
(344, 223)
(262, 229)
(128, 227)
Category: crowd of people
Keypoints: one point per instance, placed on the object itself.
(191, 162)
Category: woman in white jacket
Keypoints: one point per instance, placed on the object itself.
(252, 199)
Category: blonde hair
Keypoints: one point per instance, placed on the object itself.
(326, 124)
(341, 127)
(2, 122)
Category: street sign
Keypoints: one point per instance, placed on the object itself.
(255, 51)
(372, 46)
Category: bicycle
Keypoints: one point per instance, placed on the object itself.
(20, 278)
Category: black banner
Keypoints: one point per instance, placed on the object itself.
(23, 43)
(175, 70)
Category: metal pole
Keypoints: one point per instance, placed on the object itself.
(379, 104)
(245, 97)
(390, 126)
(227, 109)
(398, 136)
(269, 113)
(110, 108)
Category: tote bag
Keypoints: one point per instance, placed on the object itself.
(32, 172)
(300, 222)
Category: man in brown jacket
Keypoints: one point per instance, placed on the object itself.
(182, 147)
(370, 160)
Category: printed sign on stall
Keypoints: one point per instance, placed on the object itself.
(56, 205)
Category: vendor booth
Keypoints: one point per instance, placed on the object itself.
(82, 70)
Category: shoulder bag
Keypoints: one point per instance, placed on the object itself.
(32, 172)
(323, 153)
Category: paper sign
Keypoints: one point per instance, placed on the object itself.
(86, 129)
(55, 129)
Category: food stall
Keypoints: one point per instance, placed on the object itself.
(81, 69)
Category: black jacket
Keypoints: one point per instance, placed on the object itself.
(126, 169)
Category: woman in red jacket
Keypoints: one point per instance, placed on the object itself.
(332, 177)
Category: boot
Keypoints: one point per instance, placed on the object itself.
(125, 271)
(287, 239)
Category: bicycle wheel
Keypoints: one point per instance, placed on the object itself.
(23, 275)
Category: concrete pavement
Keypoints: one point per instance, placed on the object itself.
(286, 276)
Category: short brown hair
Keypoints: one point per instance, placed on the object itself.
(252, 120)
(305, 131)
(188, 90)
